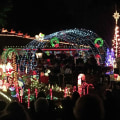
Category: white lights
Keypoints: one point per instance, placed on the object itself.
(39, 55)
(39, 37)
(5, 96)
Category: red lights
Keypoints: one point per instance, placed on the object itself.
(53, 49)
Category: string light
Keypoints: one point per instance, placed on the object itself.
(28, 98)
(76, 37)
(116, 40)
(5, 96)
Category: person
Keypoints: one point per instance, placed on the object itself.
(15, 111)
(67, 110)
(41, 106)
(41, 94)
(74, 97)
(89, 107)
(3, 104)
(68, 74)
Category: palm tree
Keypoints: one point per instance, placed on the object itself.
(12, 53)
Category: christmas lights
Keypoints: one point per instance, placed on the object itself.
(5, 96)
(80, 84)
(116, 40)
(96, 42)
(54, 41)
(110, 58)
(78, 38)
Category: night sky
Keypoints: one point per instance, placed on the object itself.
(47, 16)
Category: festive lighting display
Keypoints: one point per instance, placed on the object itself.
(110, 57)
(36, 92)
(65, 92)
(89, 85)
(40, 37)
(51, 97)
(4, 30)
(80, 84)
(5, 96)
(116, 40)
(80, 39)
(28, 98)
(116, 16)
(54, 42)
(96, 42)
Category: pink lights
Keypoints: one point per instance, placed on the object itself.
(28, 98)
(62, 49)
(51, 94)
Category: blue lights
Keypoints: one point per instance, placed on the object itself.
(78, 37)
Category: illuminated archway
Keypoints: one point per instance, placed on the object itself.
(75, 36)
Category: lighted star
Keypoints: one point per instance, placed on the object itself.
(116, 16)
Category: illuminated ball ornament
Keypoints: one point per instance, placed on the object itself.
(54, 42)
(96, 42)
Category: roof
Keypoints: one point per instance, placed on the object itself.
(13, 41)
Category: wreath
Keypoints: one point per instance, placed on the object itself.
(54, 42)
(101, 42)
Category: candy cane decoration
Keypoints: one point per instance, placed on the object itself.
(36, 92)
(17, 93)
(28, 98)
(80, 84)
(74, 88)
(50, 93)
(88, 87)
(65, 91)
(21, 94)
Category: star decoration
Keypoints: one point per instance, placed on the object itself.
(116, 16)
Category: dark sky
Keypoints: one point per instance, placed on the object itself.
(47, 16)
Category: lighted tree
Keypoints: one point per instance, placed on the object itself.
(116, 40)
(110, 58)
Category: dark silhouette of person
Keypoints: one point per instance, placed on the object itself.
(89, 107)
(15, 111)
(41, 106)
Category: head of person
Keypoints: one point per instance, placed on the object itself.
(41, 105)
(89, 107)
(15, 111)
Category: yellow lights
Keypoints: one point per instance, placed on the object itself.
(39, 37)
(39, 55)
(116, 16)
(116, 42)
(4, 30)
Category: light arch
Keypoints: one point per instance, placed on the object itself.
(76, 36)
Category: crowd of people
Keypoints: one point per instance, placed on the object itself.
(102, 103)
(89, 106)
(64, 69)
